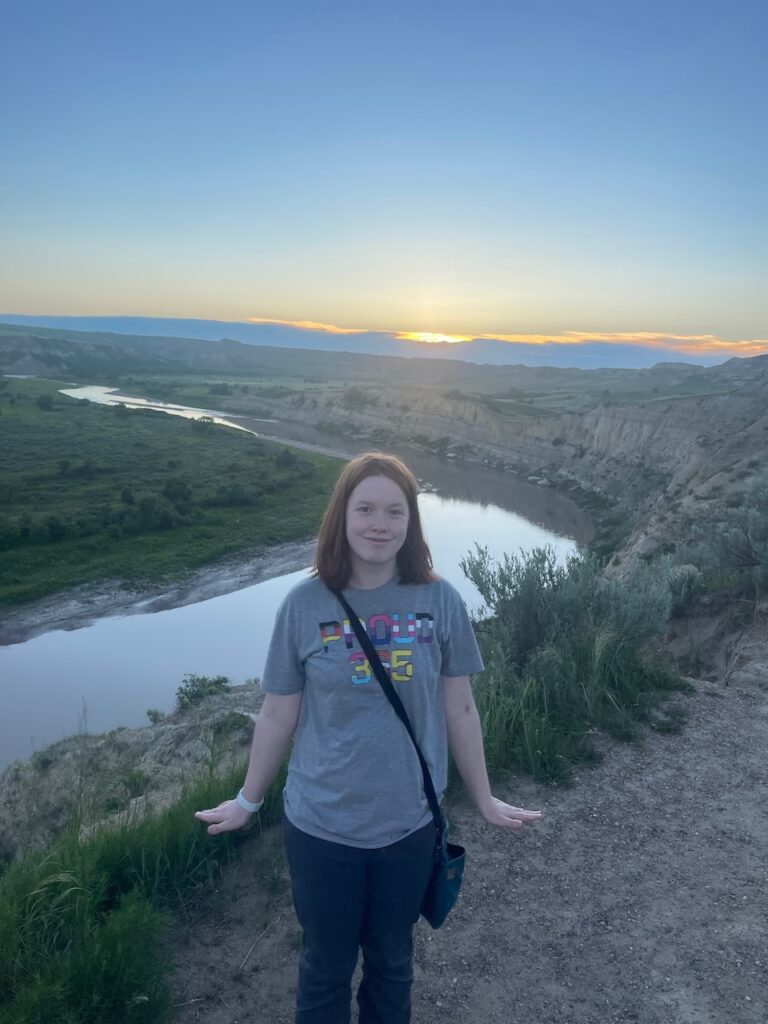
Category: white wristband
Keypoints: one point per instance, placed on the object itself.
(247, 805)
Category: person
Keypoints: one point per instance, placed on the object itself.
(358, 831)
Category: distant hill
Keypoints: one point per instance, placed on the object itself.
(589, 355)
(103, 357)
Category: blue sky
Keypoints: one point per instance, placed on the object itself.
(488, 168)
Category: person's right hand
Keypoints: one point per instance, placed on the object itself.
(227, 817)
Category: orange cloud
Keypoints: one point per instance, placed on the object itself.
(308, 325)
(693, 344)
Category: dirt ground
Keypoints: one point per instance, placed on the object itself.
(640, 898)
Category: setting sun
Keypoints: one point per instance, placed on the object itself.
(432, 339)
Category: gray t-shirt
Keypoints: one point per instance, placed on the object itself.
(354, 777)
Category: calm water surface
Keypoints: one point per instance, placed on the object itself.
(120, 666)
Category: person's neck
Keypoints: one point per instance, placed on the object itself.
(369, 577)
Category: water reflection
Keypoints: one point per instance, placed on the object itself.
(112, 396)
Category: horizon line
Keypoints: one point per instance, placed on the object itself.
(690, 344)
(694, 344)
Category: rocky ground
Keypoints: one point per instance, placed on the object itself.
(89, 777)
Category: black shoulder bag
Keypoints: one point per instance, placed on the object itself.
(448, 868)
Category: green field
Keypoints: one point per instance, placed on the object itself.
(90, 492)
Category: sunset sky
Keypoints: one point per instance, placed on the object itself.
(485, 169)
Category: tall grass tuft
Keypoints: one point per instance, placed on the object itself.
(81, 923)
(113, 970)
(565, 657)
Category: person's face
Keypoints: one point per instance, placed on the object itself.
(377, 523)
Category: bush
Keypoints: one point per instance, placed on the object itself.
(285, 459)
(563, 649)
(684, 582)
(196, 688)
(730, 546)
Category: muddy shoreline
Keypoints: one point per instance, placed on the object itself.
(81, 606)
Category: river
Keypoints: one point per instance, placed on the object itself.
(108, 673)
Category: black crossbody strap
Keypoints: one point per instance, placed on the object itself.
(394, 699)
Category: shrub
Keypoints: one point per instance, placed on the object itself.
(730, 546)
(563, 649)
(196, 688)
(684, 582)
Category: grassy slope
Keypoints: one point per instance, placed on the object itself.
(76, 461)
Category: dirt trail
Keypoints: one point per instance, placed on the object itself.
(641, 898)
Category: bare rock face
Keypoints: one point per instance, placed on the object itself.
(639, 455)
(722, 640)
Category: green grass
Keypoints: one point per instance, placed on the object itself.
(89, 493)
(81, 925)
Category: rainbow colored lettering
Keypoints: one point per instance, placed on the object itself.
(388, 633)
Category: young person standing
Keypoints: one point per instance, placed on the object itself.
(359, 833)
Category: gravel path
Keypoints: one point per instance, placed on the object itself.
(641, 897)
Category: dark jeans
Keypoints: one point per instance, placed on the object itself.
(347, 899)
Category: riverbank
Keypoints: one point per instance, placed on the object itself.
(83, 605)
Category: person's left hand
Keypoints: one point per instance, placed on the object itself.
(506, 816)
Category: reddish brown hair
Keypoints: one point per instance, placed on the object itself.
(333, 562)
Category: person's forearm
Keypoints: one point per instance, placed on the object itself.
(271, 739)
(465, 739)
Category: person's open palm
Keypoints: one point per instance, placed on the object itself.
(227, 817)
(504, 815)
